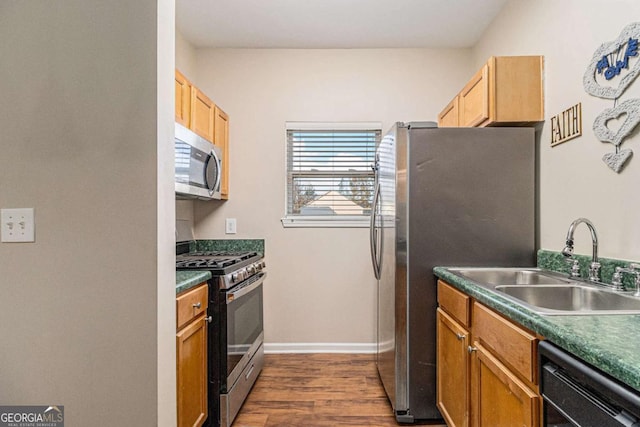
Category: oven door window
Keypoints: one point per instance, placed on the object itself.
(244, 326)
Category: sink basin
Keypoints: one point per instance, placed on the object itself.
(550, 293)
(511, 276)
(572, 298)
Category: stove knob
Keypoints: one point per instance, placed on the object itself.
(251, 269)
(234, 277)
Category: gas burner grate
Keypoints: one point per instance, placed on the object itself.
(212, 259)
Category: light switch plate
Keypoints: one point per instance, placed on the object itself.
(230, 226)
(17, 225)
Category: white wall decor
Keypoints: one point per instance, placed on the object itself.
(614, 66)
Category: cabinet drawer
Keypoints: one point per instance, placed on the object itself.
(191, 304)
(515, 346)
(454, 302)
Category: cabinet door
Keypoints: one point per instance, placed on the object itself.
(183, 99)
(452, 371)
(500, 399)
(516, 89)
(191, 345)
(474, 99)
(448, 117)
(221, 126)
(201, 114)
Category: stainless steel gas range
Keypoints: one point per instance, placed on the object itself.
(236, 331)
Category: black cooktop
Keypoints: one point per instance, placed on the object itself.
(218, 262)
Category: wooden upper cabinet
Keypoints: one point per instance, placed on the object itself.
(183, 99)
(221, 126)
(506, 91)
(449, 116)
(197, 112)
(474, 99)
(202, 114)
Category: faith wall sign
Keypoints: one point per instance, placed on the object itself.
(566, 125)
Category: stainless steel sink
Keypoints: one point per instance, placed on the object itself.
(550, 293)
(572, 298)
(509, 276)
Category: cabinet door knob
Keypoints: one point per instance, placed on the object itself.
(197, 305)
(460, 336)
(471, 349)
(208, 319)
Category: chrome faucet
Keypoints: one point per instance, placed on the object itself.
(594, 267)
(632, 269)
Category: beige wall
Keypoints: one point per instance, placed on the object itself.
(165, 223)
(574, 182)
(185, 55)
(320, 287)
(81, 309)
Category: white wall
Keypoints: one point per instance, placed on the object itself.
(185, 55)
(574, 181)
(320, 287)
(86, 312)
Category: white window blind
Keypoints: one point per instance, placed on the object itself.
(329, 176)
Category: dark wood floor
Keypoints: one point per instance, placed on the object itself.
(317, 390)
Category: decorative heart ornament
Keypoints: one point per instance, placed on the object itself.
(614, 59)
(616, 160)
(630, 109)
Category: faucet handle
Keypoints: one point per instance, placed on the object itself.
(616, 280)
(594, 271)
(574, 266)
(633, 269)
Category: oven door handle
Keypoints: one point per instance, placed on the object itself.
(232, 296)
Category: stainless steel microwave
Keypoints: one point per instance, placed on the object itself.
(198, 166)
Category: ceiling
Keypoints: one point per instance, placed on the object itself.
(321, 24)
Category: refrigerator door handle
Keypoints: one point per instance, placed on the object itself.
(376, 252)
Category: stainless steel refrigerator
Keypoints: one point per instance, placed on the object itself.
(443, 196)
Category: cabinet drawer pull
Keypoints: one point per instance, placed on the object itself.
(471, 349)
(208, 319)
(460, 336)
(197, 305)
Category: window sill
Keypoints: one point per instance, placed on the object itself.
(320, 222)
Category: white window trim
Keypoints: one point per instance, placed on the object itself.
(335, 221)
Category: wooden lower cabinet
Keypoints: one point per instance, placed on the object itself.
(486, 366)
(500, 399)
(191, 359)
(453, 370)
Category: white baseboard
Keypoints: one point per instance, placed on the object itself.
(275, 348)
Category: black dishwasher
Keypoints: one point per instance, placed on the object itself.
(575, 394)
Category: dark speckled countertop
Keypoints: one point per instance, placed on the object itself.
(609, 342)
(186, 280)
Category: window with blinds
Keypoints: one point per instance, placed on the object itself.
(329, 176)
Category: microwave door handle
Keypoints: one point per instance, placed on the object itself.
(212, 187)
(218, 169)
